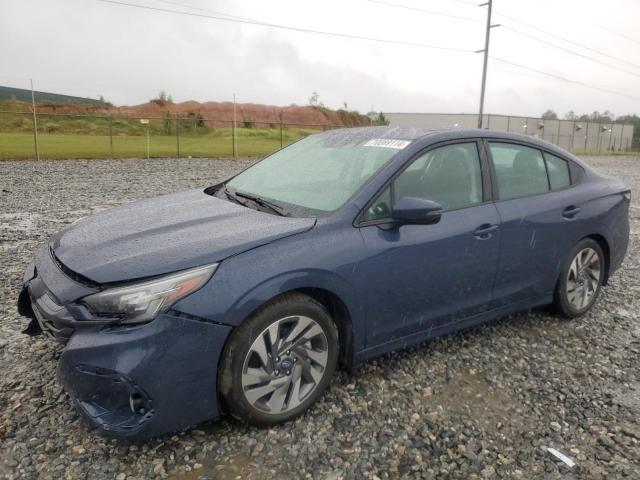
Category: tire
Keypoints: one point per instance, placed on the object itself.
(579, 284)
(293, 378)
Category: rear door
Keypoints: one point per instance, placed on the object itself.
(536, 207)
(422, 277)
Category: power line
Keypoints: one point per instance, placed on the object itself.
(564, 39)
(177, 4)
(465, 2)
(516, 72)
(572, 52)
(533, 37)
(564, 79)
(621, 35)
(288, 27)
(231, 18)
(379, 2)
(581, 45)
(513, 19)
(540, 75)
(421, 10)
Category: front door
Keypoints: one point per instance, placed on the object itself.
(421, 277)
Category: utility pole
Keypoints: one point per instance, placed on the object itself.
(489, 4)
(35, 121)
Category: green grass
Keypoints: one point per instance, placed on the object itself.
(251, 142)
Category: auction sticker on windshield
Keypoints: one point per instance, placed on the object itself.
(387, 143)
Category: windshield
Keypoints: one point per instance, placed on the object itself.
(320, 172)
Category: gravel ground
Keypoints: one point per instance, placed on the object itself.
(479, 404)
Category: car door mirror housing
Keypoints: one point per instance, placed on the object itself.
(416, 211)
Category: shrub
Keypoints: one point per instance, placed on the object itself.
(51, 127)
(162, 99)
(22, 123)
(382, 120)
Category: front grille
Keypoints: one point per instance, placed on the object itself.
(54, 320)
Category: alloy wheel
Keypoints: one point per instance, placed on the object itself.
(583, 279)
(285, 364)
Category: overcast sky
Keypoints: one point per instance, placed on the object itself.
(86, 48)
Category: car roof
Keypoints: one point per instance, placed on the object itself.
(363, 134)
(360, 135)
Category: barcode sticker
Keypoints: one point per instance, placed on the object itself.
(387, 143)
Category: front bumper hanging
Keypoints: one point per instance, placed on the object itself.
(130, 381)
(145, 380)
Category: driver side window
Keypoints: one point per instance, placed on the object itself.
(449, 175)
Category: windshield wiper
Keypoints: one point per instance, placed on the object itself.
(277, 209)
(232, 197)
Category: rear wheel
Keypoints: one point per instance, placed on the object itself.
(581, 280)
(279, 361)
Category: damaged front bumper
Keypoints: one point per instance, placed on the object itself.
(146, 380)
(129, 381)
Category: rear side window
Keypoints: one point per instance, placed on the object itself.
(520, 170)
(558, 172)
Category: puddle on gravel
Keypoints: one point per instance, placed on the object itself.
(229, 468)
(630, 398)
(471, 396)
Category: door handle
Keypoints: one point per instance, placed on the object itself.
(570, 212)
(484, 231)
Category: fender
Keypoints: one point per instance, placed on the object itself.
(611, 224)
(274, 286)
(244, 282)
(310, 278)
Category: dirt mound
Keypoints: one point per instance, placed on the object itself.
(215, 111)
(258, 113)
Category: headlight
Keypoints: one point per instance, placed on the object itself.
(141, 302)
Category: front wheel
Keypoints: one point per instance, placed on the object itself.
(279, 361)
(581, 280)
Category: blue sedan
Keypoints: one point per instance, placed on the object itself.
(243, 297)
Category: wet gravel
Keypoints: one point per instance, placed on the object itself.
(485, 403)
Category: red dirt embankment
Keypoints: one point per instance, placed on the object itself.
(219, 111)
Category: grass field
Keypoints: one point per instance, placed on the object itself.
(250, 142)
(255, 142)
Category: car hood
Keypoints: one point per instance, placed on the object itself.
(165, 234)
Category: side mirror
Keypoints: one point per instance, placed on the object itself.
(416, 211)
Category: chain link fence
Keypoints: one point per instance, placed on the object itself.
(65, 135)
(576, 136)
(62, 135)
